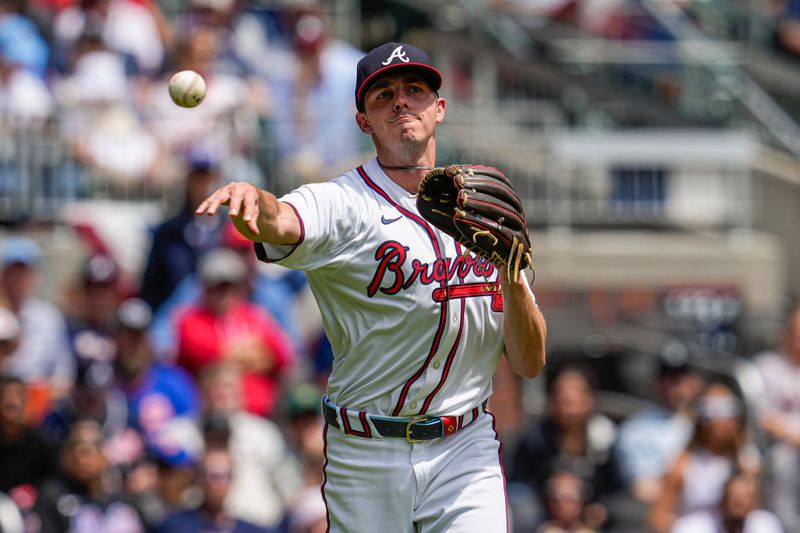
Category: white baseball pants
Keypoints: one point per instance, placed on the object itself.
(388, 485)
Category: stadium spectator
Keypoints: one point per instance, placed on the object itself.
(25, 100)
(718, 448)
(43, 359)
(228, 118)
(265, 476)
(224, 326)
(649, 441)
(20, 38)
(137, 30)
(92, 398)
(309, 515)
(566, 496)
(82, 500)
(738, 512)
(313, 116)
(157, 394)
(27, 457)
(779, 416)
(99, 120)
(223, 16)
(214, 475)
(787, 32)
(161, 480)
(181, 239)
(95, 303)
(271, 287)
(572, 437)
(304, 427)
(9, 334)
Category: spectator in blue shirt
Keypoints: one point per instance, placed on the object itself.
(650, 440)
(21, 37)
(157, 393)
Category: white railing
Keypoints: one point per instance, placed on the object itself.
(678, 179)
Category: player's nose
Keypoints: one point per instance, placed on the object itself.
(400, 102)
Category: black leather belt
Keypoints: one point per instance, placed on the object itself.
(411, 429)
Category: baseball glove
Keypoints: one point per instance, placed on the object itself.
(478, 207)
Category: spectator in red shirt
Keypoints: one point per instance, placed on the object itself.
(224, 326)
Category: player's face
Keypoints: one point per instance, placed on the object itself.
(401, 108)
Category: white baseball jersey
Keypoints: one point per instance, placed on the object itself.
(415, 324)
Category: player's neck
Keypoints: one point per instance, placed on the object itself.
(407, 170)
(407, 179)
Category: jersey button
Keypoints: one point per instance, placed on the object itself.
(436, 364)
(412, 405)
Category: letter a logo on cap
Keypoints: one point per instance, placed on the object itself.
(396, 53)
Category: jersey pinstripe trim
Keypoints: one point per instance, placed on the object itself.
(443, 309)
(261, 253)
(451, 356)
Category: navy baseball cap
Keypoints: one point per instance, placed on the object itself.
(389, 58)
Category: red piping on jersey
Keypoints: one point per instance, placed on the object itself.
(366, 432)
(325, 476)
(259, 246)
(448, 362)
(451, 356)
(443, 311)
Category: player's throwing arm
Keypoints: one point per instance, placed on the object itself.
(257, 214)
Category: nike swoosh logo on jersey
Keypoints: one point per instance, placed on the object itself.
(385, 220)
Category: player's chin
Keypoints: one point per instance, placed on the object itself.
(411, 134)
(408, 137)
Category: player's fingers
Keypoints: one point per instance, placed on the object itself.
(211, 204)
(251, 211)
(235, 205)
(203, 207)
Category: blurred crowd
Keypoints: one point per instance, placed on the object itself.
(634, 20)
(186, 398)
(189, 401)
(702, 456)
(191, 404)
(93, 74)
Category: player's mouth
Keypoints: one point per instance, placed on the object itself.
(402, 118)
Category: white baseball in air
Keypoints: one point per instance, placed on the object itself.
(187, 88)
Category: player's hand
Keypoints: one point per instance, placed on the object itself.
(241, 199)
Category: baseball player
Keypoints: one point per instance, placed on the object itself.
(416, 324)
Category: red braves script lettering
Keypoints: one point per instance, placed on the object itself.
(392, 257)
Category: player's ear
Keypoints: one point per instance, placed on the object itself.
(441, 105)
(363, 122)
